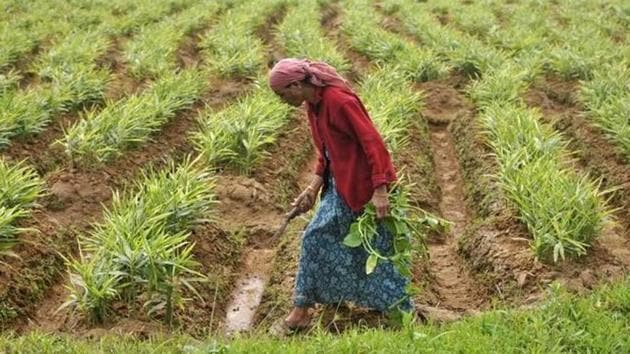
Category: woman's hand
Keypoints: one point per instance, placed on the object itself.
(380, 199)
(305, 201)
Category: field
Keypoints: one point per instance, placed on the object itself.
(146, 165)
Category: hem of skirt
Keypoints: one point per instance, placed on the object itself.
(406, 305)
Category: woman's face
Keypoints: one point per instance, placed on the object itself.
(292, 94)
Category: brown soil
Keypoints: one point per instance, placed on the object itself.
(216, 250)
(74, 202)
(188, 52)
(266, 33)
(122, 84)
(455, 287)
(415, 161)
(38, 149)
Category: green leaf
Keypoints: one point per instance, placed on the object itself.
(353, 239)
(371, 264)
(402, 244)
(390, 225)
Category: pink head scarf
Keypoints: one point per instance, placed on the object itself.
(288, 71)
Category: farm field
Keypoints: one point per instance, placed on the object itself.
(146, 165)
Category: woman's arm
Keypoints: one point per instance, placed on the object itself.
(354, 119)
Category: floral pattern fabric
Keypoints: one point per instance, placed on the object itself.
(330, 272)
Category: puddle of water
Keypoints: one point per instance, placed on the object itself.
(249, 290)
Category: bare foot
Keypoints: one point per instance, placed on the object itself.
(298, 318)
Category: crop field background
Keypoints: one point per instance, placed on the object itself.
(145, 164)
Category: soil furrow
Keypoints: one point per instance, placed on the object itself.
(330, 22)
(455, 287)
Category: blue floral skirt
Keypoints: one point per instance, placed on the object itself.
(330, 272)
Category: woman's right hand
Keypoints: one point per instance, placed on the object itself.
(305, 201)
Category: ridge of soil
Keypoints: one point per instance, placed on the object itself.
(496, 243)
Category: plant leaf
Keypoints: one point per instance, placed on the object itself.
(353, 239)
(371, 263)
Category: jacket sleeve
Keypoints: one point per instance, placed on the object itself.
(355, 120)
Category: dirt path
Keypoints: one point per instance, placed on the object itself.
(455, 288)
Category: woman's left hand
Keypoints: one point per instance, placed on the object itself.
(380, 199)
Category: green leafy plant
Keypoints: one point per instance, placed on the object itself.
(153, 50)
(362, 26)
(232, 49)
(20, 187)
(301, 35)
(238, 135)
(407, 226)
(103, 135)
(142, 247)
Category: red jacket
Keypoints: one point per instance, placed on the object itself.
(359, 159)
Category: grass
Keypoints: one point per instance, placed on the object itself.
(563, 323)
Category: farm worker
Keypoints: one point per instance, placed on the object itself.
(353, 169)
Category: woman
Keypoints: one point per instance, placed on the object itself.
(354, 168)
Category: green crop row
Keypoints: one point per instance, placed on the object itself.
(362, 25)
(393, 104)
(30, 25)
(103, 135)
(238, 135)
(126, 17)
(232, 48)
(69, 78)
(466, 55)
(301, 36)
(20, 186)
(141, 250)
(69, 75)
(563, 210)
(607, 98)
(578, 51)
(152, 51)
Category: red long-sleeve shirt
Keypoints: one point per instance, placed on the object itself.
(359, 160)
